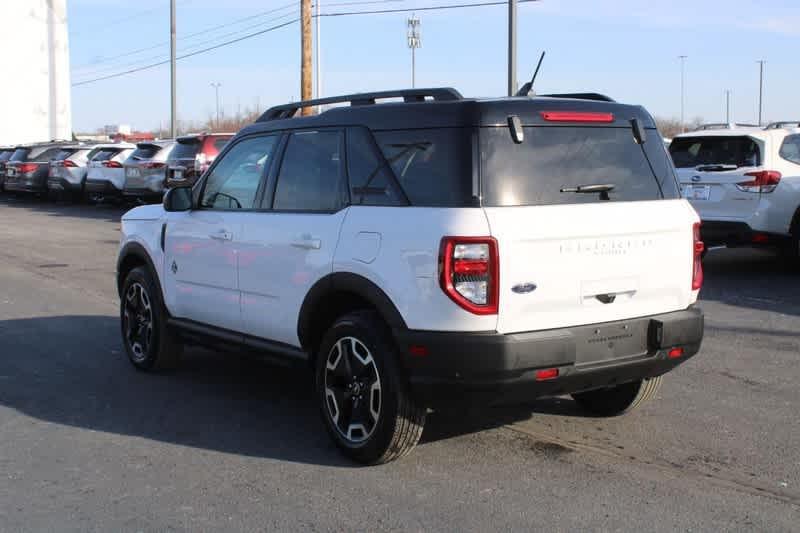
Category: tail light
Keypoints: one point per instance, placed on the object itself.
(763, 181)
(153, 164)
(69, 163)
(26, 168)
(112, 164)
(697, 250)
(200, 162)
(470, 273)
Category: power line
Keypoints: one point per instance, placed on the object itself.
(429, 8)
(189, 36)
(184, 56)
(118, 21)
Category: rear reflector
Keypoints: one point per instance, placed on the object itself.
(548, 373)
(675, 353)
(577, 116)
(418, 350)
(760, 238)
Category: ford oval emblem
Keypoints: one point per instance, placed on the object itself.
(696, 178)
(524, 288)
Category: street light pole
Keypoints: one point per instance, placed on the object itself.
(317, 59)
(512, 47)
(173, 119)
(683, 122)
(727, 106)
(761, 63)
(216, 87)
(414, 42)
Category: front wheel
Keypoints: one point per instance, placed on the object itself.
(365, 402)
(619, 399)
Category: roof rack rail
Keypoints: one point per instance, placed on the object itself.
(781, 124)
(580, 96)
(442, 94)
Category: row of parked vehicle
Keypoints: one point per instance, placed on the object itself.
(108, 172)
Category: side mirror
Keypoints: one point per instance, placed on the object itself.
(178, 199)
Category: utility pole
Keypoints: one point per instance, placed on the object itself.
(216, 87)
(761, 63)
(305, 56)
(414, 42)
(173, 119)
(317, 57)
(683, 122)
(727, 106)
(512, 47)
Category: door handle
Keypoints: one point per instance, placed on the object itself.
(221, 235)
(307, 242)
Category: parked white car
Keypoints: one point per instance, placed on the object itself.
(106, 176)
(744, 183)
(435, 251)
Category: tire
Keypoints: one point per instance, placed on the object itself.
(792, 249)
(149, 343)
(620, 399)
(357, 362)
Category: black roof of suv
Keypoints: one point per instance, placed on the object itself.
(442, 107)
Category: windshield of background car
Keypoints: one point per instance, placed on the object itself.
(555, 158)
(690, 152)
(20, 154)
(147, 151)
(185, 149)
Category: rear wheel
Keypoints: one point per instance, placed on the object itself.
(150, 345)
(365, 402)
(620, 399)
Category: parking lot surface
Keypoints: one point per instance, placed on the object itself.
(230, 442)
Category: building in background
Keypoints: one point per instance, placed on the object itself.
(35, 92)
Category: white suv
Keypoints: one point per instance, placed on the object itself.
(744, 183)
(429, 252)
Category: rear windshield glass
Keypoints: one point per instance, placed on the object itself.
(433, 166)
(690, 152)
(6, 154)
(220, 142)
(147, 151)
(64, 154)
(185, 149)
(20, 154)
(553, 162)
(104, 154)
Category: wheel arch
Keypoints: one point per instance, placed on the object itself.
(336, 293)
(131, 256)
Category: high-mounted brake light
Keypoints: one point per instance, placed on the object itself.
(112, 164)
(470, 274)
(697, 266)
(763, 181)
(577, 116)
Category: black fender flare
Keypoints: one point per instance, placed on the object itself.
(134, 249)
(346, 282)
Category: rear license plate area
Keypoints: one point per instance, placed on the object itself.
(697, 192)
(619, 340)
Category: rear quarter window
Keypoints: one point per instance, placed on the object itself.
(433, 166)
(552, 159)
(790, 149)
(145, 152)
(185, 149)
(20, 154)
(690, 152)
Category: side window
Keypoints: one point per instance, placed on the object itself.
(371, 182)
(790, 149)
(234, 181)
(433, 166)
(310, 176)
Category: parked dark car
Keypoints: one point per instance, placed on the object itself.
(27, 169)
(5, 155)
(192, 155)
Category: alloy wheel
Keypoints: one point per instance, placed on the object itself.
(138, 321)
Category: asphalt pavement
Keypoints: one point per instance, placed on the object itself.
(235, 443)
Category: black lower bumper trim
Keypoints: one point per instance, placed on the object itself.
(733, 234)
(61, 184)
(490, 368)
(102, 187)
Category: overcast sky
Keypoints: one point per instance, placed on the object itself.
(627, 49)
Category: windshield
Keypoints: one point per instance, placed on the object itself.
(573, 164)
(691, 152)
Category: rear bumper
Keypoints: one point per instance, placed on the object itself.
(62, 184)
(730, 233)
(492, 368)
(36, 185)
(103, 187)
(143, 193)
